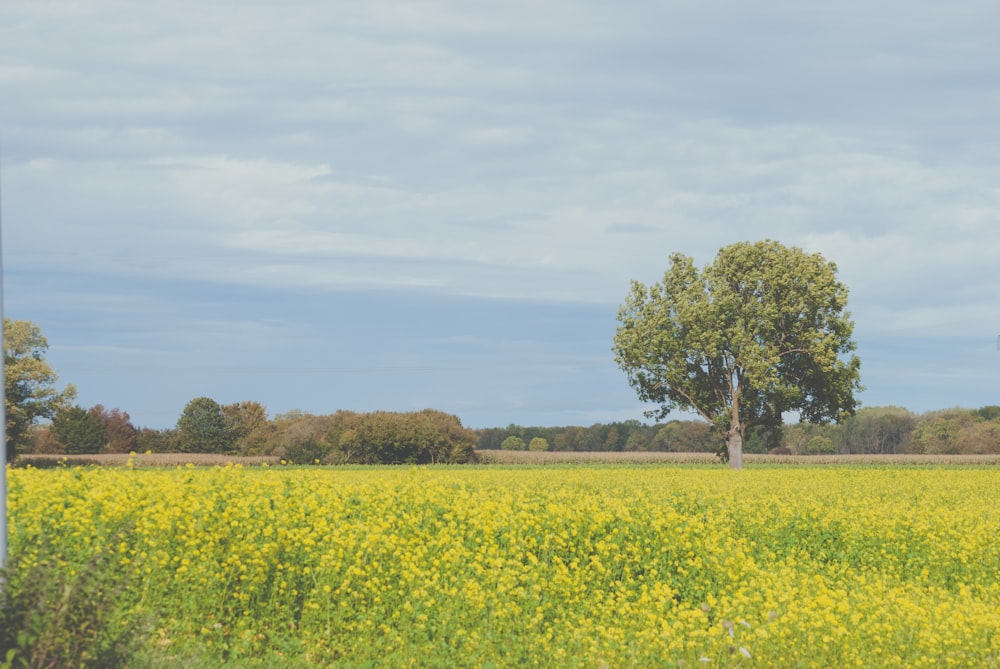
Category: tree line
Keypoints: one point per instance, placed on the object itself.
(871, 430)
(43, 419)
(431, 436)
(243, 428)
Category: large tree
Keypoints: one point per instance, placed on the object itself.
(759, 332)
(202, 428)
(78, 430)
(29, 382)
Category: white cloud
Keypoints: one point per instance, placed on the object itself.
(520, 150)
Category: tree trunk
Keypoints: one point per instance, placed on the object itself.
(734, 444)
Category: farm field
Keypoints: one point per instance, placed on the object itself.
(597, 566)
(499, 457)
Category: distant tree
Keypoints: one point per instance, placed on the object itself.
(757, 333)
(636, 442)
(202, 428)
(685, 436)
(513, 444)
(384, 437)
(117, 428)
(878, 430)
(797, 436)
(980, 438)
(938, 432)
(248, 427)
(764, 438)
(442, 438)
(612, 439)
(78, 430)
(490, 438)
(292, 414)
(538, 444)
(29, 383)
(753, 442)
(592, 438)
(990, 412)
(156, 441)
(303, 438)
(575, 437)
(820, 445)
(956, 431)
(44, 441)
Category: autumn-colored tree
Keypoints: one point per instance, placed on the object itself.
(29, 383)
(384, 437)
(953, 431)
(248, 427)
(44, 441)
(117, 427)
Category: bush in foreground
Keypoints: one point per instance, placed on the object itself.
(53, 614)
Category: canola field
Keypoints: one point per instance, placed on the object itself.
(665, 566)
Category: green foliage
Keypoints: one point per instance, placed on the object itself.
(991, 412)
(820, 445)
(686, 436)
(303, 438)
(156, 441)
(629, 435)
(538, 444)
(381, 437)
(760, 332)
(513, 444)
(51, 616)
(29, 383)
(878, 430)
(305, 452)
(423, 437)
(637, 441)
(953, 431)
(248, 427)
(802, 566)
(202, 428)
(78, 430)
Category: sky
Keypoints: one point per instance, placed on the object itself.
(395, 205)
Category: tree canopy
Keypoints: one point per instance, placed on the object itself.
(759, 332)
(202, 428)
(29, 382)
(79, 430)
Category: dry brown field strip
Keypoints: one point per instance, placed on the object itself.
(553, 457)
(147, 459)
(496, 457)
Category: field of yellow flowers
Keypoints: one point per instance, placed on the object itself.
(664, 566)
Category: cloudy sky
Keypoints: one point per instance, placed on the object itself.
(400, 204)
